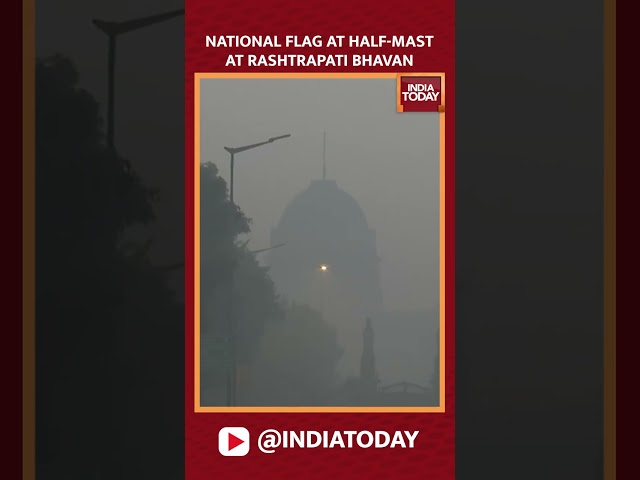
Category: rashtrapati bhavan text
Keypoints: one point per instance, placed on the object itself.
(293, 60)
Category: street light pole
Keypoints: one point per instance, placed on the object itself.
(112, 30)
(231, 177)
(231, 325)
(111, 87)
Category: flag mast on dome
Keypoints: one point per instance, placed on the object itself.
(324, 159)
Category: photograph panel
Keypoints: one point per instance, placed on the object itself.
(319, 245)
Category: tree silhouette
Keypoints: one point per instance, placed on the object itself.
(290, 352)
(255, 301)
(99, 305)
(297, 362)
(220, 224)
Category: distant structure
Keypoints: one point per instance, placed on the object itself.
(368, 373)
(330, 261)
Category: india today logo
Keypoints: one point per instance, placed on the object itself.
(420, 93)
(233, 441)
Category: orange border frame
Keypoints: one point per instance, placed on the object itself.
(198, 77)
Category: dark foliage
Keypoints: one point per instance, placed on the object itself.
(109, 359)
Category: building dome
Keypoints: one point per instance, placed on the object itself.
(329, 260)
(325, 204)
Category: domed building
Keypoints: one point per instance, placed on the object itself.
(329, 262)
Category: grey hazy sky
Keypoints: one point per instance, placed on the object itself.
(386, 160)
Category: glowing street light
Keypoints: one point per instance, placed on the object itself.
(324, 268)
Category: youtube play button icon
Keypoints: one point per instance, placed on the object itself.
(233, 441)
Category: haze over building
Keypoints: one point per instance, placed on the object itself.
(382, 179)
(329, 261)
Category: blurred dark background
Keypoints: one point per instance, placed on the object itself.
(529, 240)
(529, 221)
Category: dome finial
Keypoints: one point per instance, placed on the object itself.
(324, 159)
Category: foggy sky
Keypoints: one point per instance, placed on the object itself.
(387, 161)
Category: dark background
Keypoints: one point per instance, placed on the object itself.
(529, 219)
(529, 231)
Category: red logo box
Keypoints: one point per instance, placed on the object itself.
(420, 93)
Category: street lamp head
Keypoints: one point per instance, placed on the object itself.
(324, 268)
(273, 139)
(109, 28)
(117, 28)
(234, 150)
(267, 249)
